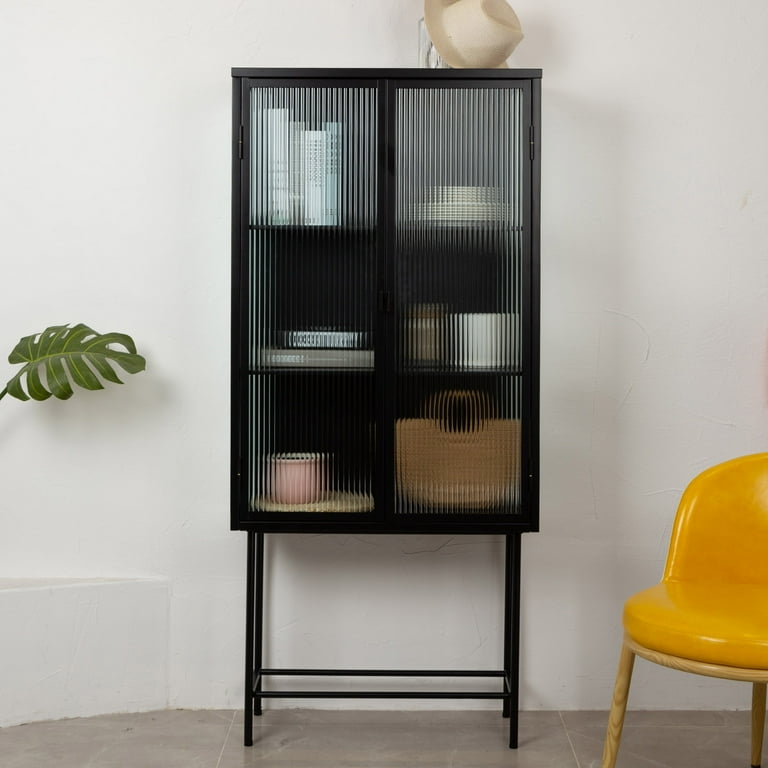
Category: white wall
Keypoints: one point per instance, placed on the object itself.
(114, 210)
(81, 647)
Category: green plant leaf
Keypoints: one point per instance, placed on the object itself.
(61, 356)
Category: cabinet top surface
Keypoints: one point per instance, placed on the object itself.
(412, 73)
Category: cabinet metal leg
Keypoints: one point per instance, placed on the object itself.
(255, 670)
(259, 623)
(248, 712)
(512, 634)
(506, 642)
(254, 632)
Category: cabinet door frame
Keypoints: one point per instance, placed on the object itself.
(242, 518)
(529, 87)
(383, 519)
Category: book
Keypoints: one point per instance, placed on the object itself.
(332, 208)
(276, 165)
(314, 168)
(301, 171)
(296, 185)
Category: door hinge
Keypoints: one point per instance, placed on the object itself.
(532, 141)
(240, 142)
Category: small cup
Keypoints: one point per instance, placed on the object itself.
(482, 340)
(425, 333)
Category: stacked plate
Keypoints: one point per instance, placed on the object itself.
(461, 204)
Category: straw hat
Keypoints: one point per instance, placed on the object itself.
(472, 33)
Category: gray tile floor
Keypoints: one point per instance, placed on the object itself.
(363, 739)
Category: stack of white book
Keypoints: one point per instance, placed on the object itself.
(300, 171)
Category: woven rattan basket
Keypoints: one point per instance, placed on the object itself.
(457, 455)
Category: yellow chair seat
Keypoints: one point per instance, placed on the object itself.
(713, 623)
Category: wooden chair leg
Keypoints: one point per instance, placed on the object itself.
(758, 722)
(618, 707)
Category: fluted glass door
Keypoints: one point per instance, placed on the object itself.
(461, 189)
(312, 283)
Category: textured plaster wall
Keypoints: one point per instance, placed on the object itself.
(114, 210)
(79, 647)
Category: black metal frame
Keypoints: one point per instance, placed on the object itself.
(256, 673)
(382, 520)
(512, 527)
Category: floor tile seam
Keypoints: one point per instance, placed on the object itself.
(643, 758)
(568, 736)
(659, 726)
(626, 750)
(671, 726)
(226, 739)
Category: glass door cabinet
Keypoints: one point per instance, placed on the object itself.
(385, 300)
(385, 325)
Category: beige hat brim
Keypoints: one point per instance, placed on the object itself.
(472, 33)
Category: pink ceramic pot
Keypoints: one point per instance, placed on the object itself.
(296, 478)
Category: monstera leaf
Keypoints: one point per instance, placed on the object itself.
(61, 356)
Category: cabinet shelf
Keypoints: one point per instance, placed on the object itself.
(314, 229)
(442, 370)
(341, 502)
(460, 226)
(291, 370)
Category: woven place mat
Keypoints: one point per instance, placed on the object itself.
(336, 501)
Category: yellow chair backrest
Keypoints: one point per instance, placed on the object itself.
(721, 527)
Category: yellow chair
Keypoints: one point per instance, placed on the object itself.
(709, 613)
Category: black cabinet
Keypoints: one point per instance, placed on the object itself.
(385, 324)
(385, 301)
